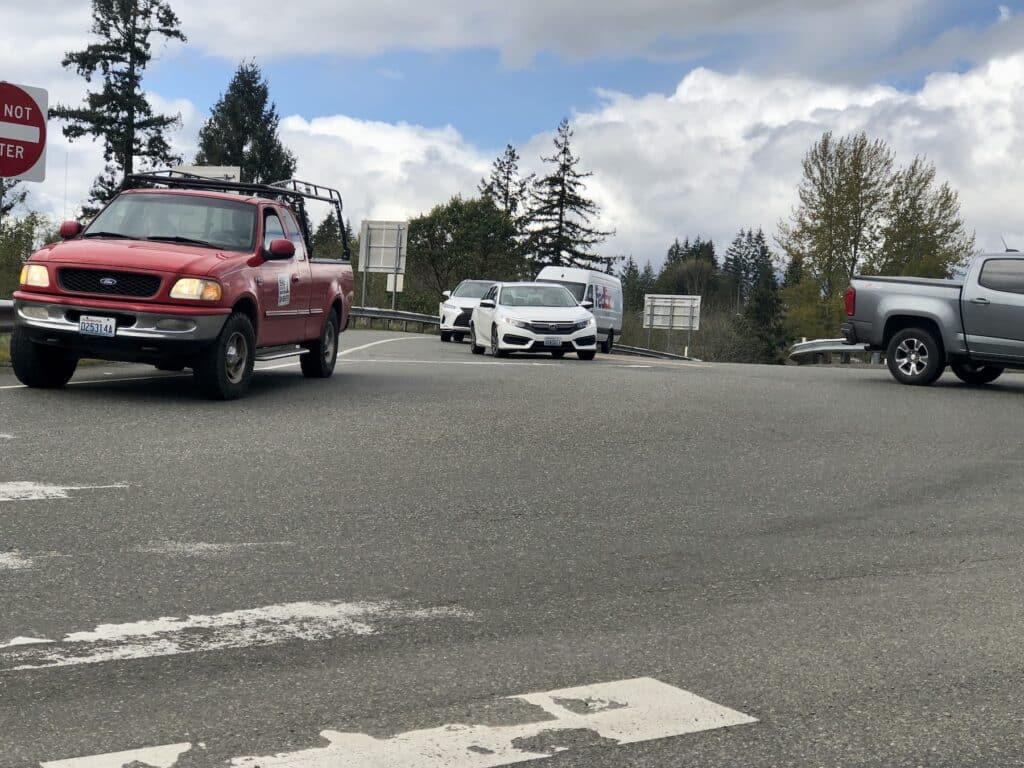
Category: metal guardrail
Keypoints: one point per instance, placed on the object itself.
(812, 351)
(624, 349)
(6, 316)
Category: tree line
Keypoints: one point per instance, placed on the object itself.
(855, 210)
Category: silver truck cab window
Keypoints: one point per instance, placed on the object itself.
(1006, 275)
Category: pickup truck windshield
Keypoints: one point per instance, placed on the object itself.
(189, 219)
(536, 296)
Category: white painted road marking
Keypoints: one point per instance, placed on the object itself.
(249, 628)
(4, 436)
(24, 641)
(203, 548)
(14, 561)
(26, 491)
(622, 712)
(384, 341)
(151, 757)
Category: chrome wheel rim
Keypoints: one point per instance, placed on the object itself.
(330, 344)
(912, 357)
(236, 357)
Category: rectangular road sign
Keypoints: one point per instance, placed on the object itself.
(392, 278)
(23, 116)
(677, 313)
(382, 244)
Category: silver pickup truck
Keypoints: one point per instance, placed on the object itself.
(976, 326)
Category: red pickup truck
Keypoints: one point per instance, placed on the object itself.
(183, 272)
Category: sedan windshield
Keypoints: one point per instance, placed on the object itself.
(191, 219)
(536, 296)
(472, 289)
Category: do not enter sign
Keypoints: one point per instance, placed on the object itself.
(23, 112)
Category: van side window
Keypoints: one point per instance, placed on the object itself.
(1005, 275)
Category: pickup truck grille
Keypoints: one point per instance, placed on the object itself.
(108, 283)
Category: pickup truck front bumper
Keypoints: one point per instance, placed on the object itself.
(158, 333)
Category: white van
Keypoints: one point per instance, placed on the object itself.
(604, 291)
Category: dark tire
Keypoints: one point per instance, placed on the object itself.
(458, 337)
(446, 336)
(39, 366)
(495, 350)
(587, 354)
(608, 344)
(976, 374)
(558, 354)
(319, 362)
(475, 348)
(915, 357)
(223, 371)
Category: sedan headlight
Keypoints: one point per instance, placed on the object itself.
(515, 323)
(35, 275)
(195, 289)
(588, 323)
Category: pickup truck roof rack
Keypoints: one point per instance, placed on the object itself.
(294, 192)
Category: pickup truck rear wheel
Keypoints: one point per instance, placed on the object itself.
(39, 366)
(973, 373)
(223, 371)
(319, 362)
(915, 357)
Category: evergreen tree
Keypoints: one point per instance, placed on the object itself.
(505, 187)
(560, 232)
(738, 267)
(632, 289)
(763, 312)
(12, 194)
(326, 240)
(242, 130)
(118, 113)
(648, 279)
(677, 252)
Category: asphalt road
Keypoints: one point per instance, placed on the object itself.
(406, 545)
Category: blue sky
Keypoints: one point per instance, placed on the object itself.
(692, 114)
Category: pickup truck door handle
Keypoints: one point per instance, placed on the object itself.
(296, 278)
(982, 301)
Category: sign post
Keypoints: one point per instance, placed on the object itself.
(679, 313)
(23, 114)
(382, 248)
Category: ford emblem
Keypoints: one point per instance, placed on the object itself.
(108, 281)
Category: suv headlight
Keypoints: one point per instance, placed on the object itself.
(35, 275)
(195, 289)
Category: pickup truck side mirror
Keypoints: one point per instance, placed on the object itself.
(280, 250)
(446, 294)
(588, 304)
(70, 229)
(487, 304)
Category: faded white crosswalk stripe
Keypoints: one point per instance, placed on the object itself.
(248, 628)
(28, 491)
(606, 714)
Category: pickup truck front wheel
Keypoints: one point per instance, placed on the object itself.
(39, 366)
(972, 373)
(915, 357)
(224, 369)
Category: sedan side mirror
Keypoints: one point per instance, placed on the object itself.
(587, 304)
(280, 250)
(487, 304)
(70, 229)
(446, 294)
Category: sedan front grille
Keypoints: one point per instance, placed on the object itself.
(108, 283)
(553, 328)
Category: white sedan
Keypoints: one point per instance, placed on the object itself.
(457, 307)
(532, 317)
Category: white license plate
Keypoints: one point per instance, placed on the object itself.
(552, 341)
(90, 325)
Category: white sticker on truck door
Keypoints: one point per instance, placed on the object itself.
(284, 290)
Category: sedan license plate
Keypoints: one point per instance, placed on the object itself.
(90, 325)
(552, 341)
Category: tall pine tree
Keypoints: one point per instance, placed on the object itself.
(560, 232)
(242, 130)
(12, 194)
(119, 114)
(505, 186)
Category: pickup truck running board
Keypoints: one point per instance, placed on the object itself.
(267, 354)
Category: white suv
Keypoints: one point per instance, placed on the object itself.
(458, 305)
(532, 317)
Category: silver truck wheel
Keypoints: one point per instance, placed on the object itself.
(915, 357)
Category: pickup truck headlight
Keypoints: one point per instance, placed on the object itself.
(195, 289)
(35, 275)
